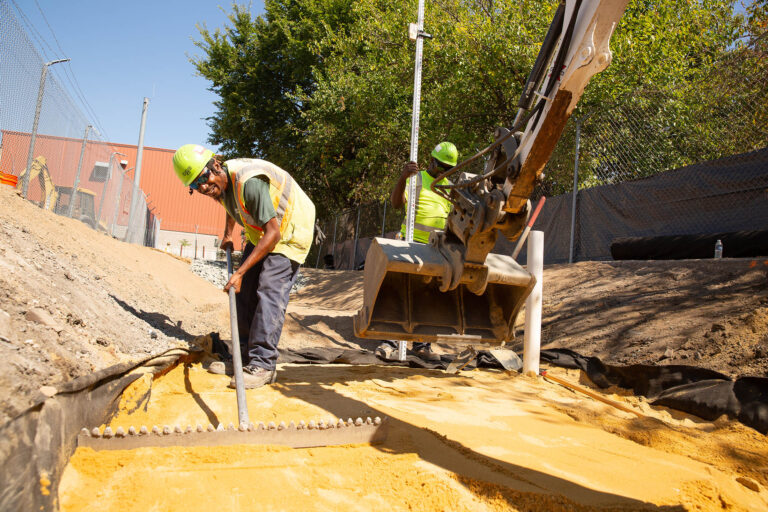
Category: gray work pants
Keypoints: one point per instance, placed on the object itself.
(261, 307)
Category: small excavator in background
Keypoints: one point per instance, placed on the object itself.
(454, 290)
(57, 198)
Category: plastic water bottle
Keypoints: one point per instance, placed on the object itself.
(718, 250)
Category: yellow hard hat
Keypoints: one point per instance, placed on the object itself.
(446, 153)
(189, 161)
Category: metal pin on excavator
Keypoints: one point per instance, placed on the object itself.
(454, 290)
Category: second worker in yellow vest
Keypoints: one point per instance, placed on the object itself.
(431, 212)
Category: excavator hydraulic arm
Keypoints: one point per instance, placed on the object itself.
(453, 289)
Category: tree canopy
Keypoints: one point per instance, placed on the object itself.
(324, 88)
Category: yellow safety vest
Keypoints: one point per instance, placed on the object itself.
(295, 211)
(431, 209)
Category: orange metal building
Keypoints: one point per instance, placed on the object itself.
(179, 212)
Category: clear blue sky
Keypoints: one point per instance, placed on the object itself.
(124, 51)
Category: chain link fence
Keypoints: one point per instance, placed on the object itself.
(344, 238)
(51, 150)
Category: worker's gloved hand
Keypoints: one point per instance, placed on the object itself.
(226, 243)
(409, 169)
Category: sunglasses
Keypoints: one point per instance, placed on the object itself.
(201, 179)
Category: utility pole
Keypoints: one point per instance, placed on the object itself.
(137, 172)
(74, 197)
(33, 136)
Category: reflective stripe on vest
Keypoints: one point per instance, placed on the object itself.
(425, 221)
(296, 220)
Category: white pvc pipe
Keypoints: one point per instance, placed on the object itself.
(532, 337)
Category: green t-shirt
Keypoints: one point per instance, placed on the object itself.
(256, 198)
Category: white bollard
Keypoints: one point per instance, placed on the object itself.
(532, 337)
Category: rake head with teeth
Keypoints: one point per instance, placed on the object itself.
(301, 435)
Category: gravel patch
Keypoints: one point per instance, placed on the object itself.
(216, 273)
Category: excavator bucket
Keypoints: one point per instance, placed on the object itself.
(402, 299)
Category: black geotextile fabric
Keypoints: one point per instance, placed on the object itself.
(698, 391)
(704, 393)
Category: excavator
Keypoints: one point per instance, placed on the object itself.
(57, 198)
(453, 289)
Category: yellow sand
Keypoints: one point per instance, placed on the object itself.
(481, 441)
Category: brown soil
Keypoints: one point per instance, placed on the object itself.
(75, 301)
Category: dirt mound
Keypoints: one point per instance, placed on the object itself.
(706, 313)
(75, 301)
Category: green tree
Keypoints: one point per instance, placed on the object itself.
(256, 66)
(324, 87)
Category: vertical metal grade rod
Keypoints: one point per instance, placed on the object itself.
(575, 191)
(237, 361)
(72, 198)
(36, 120)
(411, 209)
(137, 172)
(532, 336)
(414, 155)
(357, 236)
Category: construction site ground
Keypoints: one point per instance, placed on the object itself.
(75, 301)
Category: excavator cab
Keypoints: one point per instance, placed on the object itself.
(83, 210)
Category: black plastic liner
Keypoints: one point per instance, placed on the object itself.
(36, 445)
(698, 391)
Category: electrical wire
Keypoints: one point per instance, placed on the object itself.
(68, 71)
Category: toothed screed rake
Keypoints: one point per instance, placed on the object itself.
(302, 435)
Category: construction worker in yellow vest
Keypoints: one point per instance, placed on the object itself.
(431, 212)
(278, 219)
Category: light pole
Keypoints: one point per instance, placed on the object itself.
(33, 135)
(104, 188)
(137, 172)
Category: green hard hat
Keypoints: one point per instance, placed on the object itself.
(446, 153)
(189, 161)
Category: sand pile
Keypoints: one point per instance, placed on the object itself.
(479, 441)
